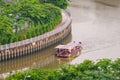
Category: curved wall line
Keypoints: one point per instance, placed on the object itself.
(17, 49)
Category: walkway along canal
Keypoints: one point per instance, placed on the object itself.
(94, 22)
(30, 46)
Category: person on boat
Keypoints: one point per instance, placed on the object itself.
(62, 43)
(58, 50)
(80, 46)
(80, 42)
(76, 47)
(69, 50)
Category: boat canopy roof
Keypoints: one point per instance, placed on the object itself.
(68, 46)
(60, 46)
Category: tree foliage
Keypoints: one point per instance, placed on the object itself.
(60, 3)
(104, 69)
(28, 18)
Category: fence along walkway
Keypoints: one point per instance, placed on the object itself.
(14, 49)
(34, 39)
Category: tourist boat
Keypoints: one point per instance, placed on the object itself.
(68, 50)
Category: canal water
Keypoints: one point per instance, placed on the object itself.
(43, 59)
(95, 23)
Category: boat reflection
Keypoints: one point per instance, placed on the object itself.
(42, 59)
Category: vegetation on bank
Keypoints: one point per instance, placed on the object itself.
(23, 19)
(104, 69)
(60, 3)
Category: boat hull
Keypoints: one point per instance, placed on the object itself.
(71, 49)
(77, 53)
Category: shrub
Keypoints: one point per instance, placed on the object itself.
(105, 69)
(26, 18)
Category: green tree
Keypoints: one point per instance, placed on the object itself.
(20, 18)
(104, 69)
(60, 3)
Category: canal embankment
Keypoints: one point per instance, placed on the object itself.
(28, 46)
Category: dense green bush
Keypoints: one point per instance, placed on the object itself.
(25, 19)
(104, 69)
(60, 3)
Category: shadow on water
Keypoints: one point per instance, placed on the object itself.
(42, 59)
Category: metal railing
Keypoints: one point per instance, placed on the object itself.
(38, 38)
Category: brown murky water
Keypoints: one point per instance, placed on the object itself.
(95, 23)
(42, 59)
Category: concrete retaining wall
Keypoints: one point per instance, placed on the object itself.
(28, 46)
